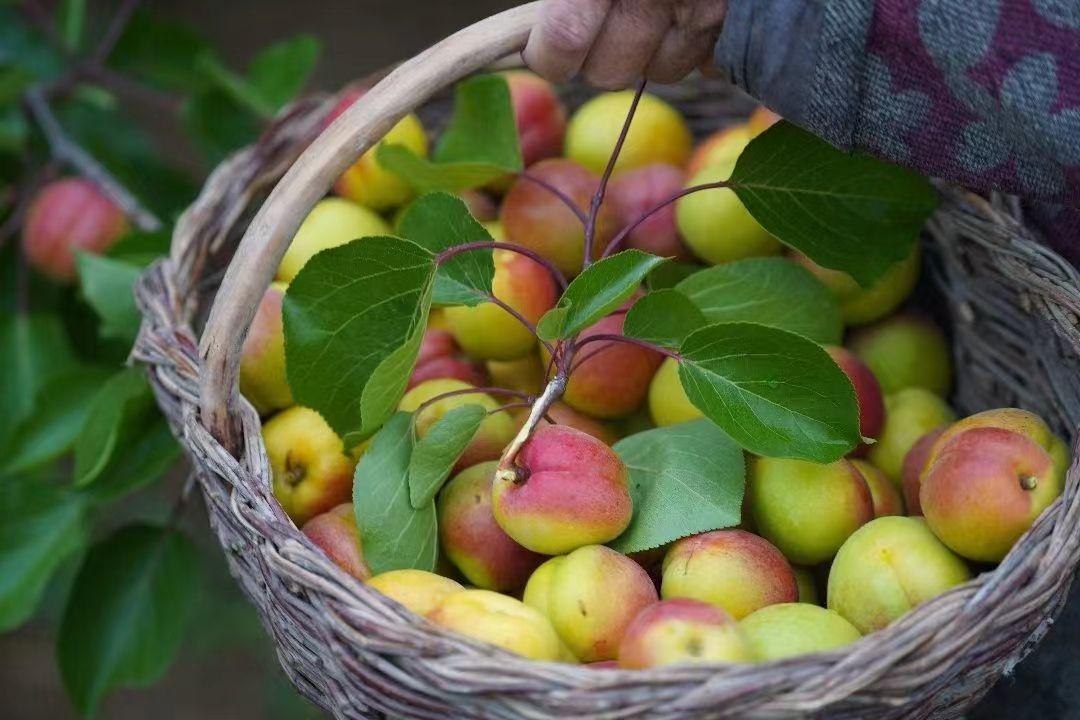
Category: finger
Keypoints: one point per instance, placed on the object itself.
(630, 36)
(688, 44)
(563, 37)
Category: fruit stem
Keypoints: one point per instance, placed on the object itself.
(601, 190)
(507, 469)
(1029, 482)
(563, 197)
(612, 337)
(450, 252)
(521, 319)
(472, 391)
(617, 241)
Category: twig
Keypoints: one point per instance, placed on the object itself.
(123, 85)
(507, 469)
(555, 273)
(117, 25)
(625, 232)
(66, 150)
(611, 337)
(601, 190)
(521, 319)
(566, 199)
(472, 391)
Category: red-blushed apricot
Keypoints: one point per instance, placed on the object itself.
(723, 147)
(905, 351)
(887, 567)
(474, 542)
(886, 497)
(807, 509)
(418, 590)
(732, 569)
(1021, 421)
(563, 414)
(332, 222)
(680, 632)
(634, 194)
(867, 393)
(499, 620)
(610, 379)
(658, 134)
(438, 359)
(533, 217)
(480, 205)
(311, 470)
(590, 596)
(761, 120)
(539, 115)
(909, 414)
(859, 305)
(487, 331)
(984, 488)
(914, 463)
(334, 532)
(366, 181)
(67, 216)
(262, 361)
(780, 631)
(496, 430)
(572, 491)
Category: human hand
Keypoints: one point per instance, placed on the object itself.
(614, 43)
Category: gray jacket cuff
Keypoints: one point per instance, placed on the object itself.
(801, 58)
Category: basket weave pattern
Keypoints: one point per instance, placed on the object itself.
(1014, 309)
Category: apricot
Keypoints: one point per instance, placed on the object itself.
(715, 225)
(723, 147)
(910, 472)
(984, 488)
(332, 222)
(539, 115)
(807, 509)
(886, 568)
(668, 403)
(658, 133)
(572, 490)
(533, 217)
(906, 351)
(311, 469)
(438, 359)
(366, 181)
(789, 629)
(867, 393)
(610, 379)
(418, 590)
(732, 569)
(335, 533)
(761, 120)
(859, 305)
(909, 414)
(563, 414)
(525, 374)
(886, 497)
(499, 620)
(67, 216)
(480, 205)
(682, 632)
(262, 361)
(590, 596)
(804, 578)
(487, 331)
(496, 430)
(1021, 421)
(634, 194)
(471, 538)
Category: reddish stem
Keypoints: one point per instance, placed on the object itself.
(563, 197)
(555, 273)
(601, 190)
(472, 391)
(521, 319)
(612, 337)
(625, 232)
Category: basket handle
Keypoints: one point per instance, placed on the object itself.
(358, 129)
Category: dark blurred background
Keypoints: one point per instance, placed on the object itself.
(227, 668)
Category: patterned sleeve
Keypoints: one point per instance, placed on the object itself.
(985, 93)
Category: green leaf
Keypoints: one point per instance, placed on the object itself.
(118, 412)
(148, 455)
(60, 408)
(670, 274)
(435, 454)
(26, 47)
(480, 143)
(601, 288)
(70, 20)
(354, 317)
(847, 212)
(160, 52)
(141, 248)
(280, 72)
(774, 392)
(40, 527)
(107, 285)
(770, 291)
(127, 612)
(217, 124)
(685, 479)
(438, 221)
(33, 349)
(396, 535)
(663, 317)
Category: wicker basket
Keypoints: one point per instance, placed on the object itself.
(1014, 309)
